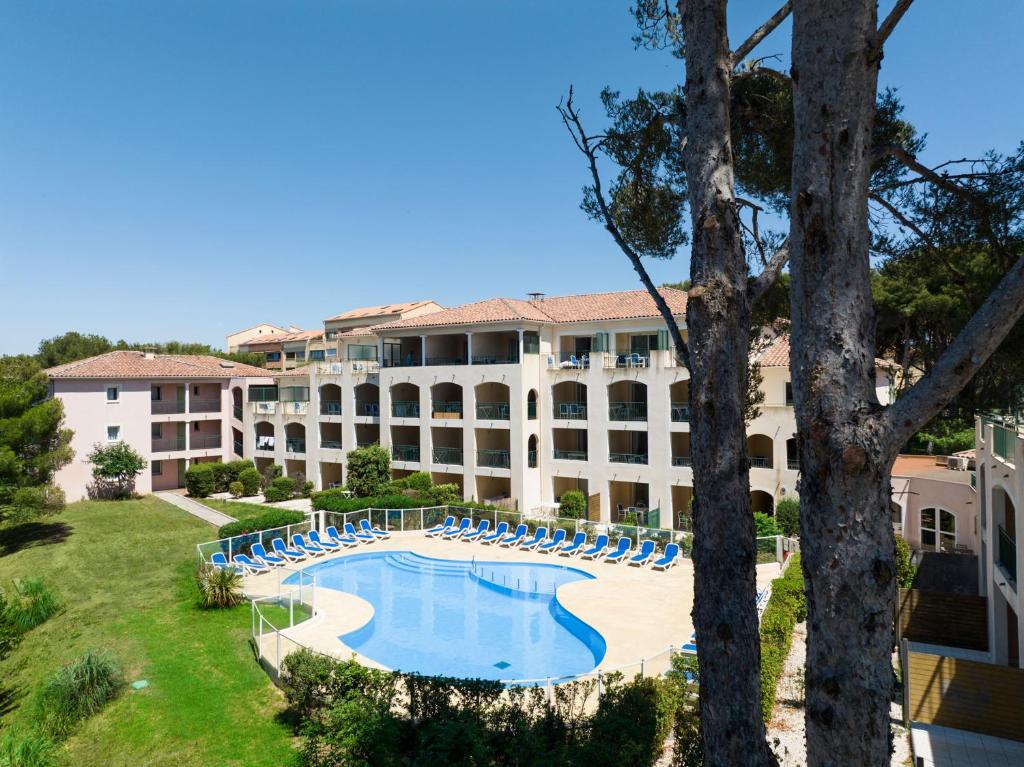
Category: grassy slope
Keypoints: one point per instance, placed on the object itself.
(236, 509)
(123, 573)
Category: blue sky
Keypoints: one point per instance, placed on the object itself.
(184, 168)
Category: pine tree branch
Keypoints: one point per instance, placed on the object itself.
(929, 174)
(759, 285)
(761, 33)
(972, 347)
(889, 24)
(571, 118)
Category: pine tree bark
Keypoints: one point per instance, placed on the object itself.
(718, 316)
(845, 447)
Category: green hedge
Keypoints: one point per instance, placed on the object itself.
(281, 489)
(786, 607)
(334, 500)
(267, 520)
(200, 480)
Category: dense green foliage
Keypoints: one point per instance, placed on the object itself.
(76, 346)
(443, 495)
(787, 516)
(268, 520)
(200, 480)
(765, 525)
(251, 481)
(281, 489)
(114, 469)
(419, 481)
(219, 587)
(335, 500)
(32, 603)
(905, 569)
(573, 505)
(943, 437)
(77, 691)
(26, 749)
(352, 715)
(369, 470)
(237, 489)
(787, 606)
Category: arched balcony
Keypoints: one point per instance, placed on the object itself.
(759, 451)
(627, 401)
(405, 400)
(330, 399)
(569, 401)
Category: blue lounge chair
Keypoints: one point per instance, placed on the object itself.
(376, 532)
(350, 530)
(669, 560)
(299, 542)
(578, 542)
(327, 544)
(645, 555)
(438, 529)
(456, 532)
(250, 565)
(344, 540)
(220, 562)
(621, 551)
(481, 528)
(598, 549)
(292, 555)
(556, 540)
(271, 560)
(500, 532)
(539, 537)
(515, 539)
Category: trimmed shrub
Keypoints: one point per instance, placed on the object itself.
(235, 468)
(419, 481)
(77, 691)
(200, 480)
(221, 477)
(269, 474)
(787, 516)
(573, 505)
(443, 495)
(369, 470)
(764, 525)
(905, 570)
(251, 481)
(333, 500)
(268, 520)
(307, 489)
(26, 749)
(218, 587)
(786, 607)
(237, 489)
(281, 489)
(38, 500)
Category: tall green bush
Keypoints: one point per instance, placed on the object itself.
(905, 570)
(251, 481)
(443, 495)
(419, 481)
(114, 469)
(786, 607)
(281, 489)
(200, 480)
(764, 525)
(221, 477)
(573, 505)
(787, 516)
(369, 470)
(77, 691)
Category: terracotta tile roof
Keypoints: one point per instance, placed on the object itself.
(777, 353)
(620, 305)
(360, 331)
(280, 338)
(131, 364)
(379, 311)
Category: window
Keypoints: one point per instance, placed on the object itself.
(195, 426)
(332, 352)
(300, 356)
(113, 433)
(273, 356)
(157, 468)
(195, 391)
(938, 530)
(157, 431)
(789, 393)
(316, 354)
(113, 393)
(154, 393)
(330, 335)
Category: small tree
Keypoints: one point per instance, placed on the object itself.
(419, 481)
(200, 480)
(787, 515)
(250, 480)
(369, 470)
(114, 469)
(764, 525)
(905, 570)
(573, 505)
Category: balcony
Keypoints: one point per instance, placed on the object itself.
(368, 409)
(294, 408)
(330, 407)
(236, 411)
(237, 446)
(446, 361)
(492, 411)
(1008, 555)
(448, 455)
(570, 411)
(531, 411)
(449, 409)
(681, 460)
(634, 458)
(405, 410)
(264, 408)
(793, 464)
(408, 453)
(365, 367)
(204, 405)
(165, 407)
(330, 444)
(204, 441)
(487, 359)
(570, 455)
(295, 444)
(680, 412)
(760, 462)
(168, 445)
(627, 411)
(531, 459)
(493, 459)
(629, 361)
(568, 361)
(1002, 442)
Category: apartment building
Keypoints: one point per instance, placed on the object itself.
(517, 401)
(937, 504)
(175, 410)
(999, 453)
(239, 337)
(287, 351)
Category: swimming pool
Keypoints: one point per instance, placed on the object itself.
(489, 620)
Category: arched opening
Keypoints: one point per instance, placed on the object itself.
(682, 507)
(531, 405)
(236, 402)
(679, 394)
(367, 399)
(569, 401)
(792, 454)
(405, 400)
(759, 450)
(330, 436)
(938, 530)
(405, 443)
(265, 436)
(531, 451)
(1004, 518)
(681, 449)
(627, 401)
(295, 438)
(330, 399)
(493, 401)
(330, 475)
(446, 400)
(762, 501)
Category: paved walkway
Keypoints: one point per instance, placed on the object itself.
(196, 509)
(936, 746)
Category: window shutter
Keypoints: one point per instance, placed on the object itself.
(662, 340)
(601, 342)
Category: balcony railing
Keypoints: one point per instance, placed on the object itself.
(531, 459)
(204, 441)
(1008, 554)
(681, 460)
(365, 444)
(264, 408)
(760, 462)
(408, 362)
(627, 457)
(265, 443)
(570, 455)
(627, 411)
(295, 444)
(168, 445)
(237, 445)
(294, 408)
(568, 361)
(448, 455)
(451, 409)
(446, 360)
(330, 444)
(330, 407)
(613, 360)
(369, 409)
(1002, 442)
(494, 459)
(405, 410)
(680, 412)
(493, 411)
(329, 368)
(166, 407)
(405, 452)
(365, 367)
(236, 411)
(531, 411)
(203, 405)
(490, 359)
(793, 464)
(570, 411)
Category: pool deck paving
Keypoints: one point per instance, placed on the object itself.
(640, 613)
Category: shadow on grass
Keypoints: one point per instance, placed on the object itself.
(9, 698)
(30, 534)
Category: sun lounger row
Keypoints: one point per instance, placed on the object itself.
(521, 539)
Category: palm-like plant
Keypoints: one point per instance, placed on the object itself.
(219, 587)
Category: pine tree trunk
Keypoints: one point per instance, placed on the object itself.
(718, 316)
(845, 455)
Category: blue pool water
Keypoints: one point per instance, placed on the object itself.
(490, 620)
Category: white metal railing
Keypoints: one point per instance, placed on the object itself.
(264, 408)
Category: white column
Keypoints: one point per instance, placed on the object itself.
(469, 348)
(423, 350)
(520, 332)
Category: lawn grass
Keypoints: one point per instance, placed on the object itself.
(124, 574)
(236, 509)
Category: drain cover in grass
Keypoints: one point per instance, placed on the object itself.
(142, 684)
(502, 665)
